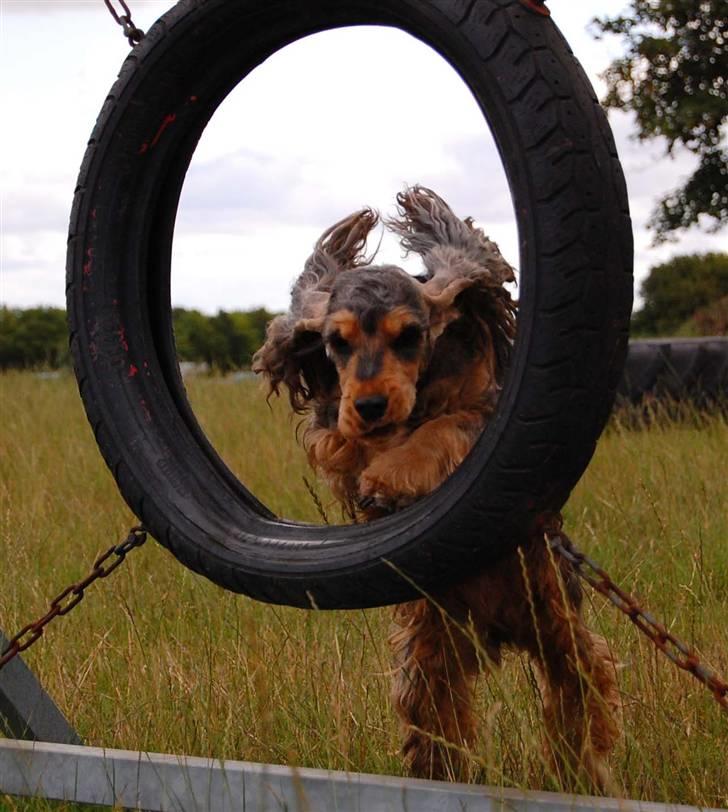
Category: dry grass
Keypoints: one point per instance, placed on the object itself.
(157, 658)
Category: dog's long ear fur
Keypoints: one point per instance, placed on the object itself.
(293, 353)
(465, 270)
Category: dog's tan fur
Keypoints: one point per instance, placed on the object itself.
(398, 377)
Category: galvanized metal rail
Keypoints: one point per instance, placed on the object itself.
(165, 783)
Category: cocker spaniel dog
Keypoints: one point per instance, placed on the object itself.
(397, 376)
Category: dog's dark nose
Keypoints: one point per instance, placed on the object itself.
(371, 408)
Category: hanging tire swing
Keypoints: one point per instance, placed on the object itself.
(575, 300)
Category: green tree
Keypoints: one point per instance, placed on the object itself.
(675, 290)
(10, 350)
(34, 338)
(711, 320)
(258, 320)
(225, 341)
(674, 77)
(195, 337)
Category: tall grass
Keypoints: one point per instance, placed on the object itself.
(156, 658)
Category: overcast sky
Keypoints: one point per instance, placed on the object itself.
(275, 166)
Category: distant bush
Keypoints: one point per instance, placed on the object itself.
(711, 320)
(225, 342)
(684, 289)
(37, 338)
(34, 338)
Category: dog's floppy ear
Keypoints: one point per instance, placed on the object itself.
(465, 270)
(293, 353)
(337, 249)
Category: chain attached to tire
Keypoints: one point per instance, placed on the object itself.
(72, 595)
(672, 647)
(131, 32)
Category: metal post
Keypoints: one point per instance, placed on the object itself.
(26, 710)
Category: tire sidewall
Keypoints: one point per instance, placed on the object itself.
(575, 299)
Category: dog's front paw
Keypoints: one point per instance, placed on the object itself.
(390, 482)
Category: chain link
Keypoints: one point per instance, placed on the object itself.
(72, 595)
(672, 647)
(131, 32)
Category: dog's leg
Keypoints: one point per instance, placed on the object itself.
(582, 706)
(416, 467)
(435, 666)
(339, 460)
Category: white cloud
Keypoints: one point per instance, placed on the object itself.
(316, 131)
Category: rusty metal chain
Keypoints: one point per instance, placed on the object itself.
(131, 32)
(672, 647)
(72, 595)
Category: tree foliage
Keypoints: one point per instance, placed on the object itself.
(685, 288)
(34, 338)
(674, 77)
(37, 338)
(225, 341)
(711, 320)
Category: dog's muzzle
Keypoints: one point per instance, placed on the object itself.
(371, 408)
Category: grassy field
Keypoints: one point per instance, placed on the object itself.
(158, 659)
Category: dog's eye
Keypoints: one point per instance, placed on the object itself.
(339, 344)
(408, 339)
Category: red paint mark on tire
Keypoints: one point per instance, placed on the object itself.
(537, 6)
(121, 332)
(133, 370)
(166, 121)
(87, 266)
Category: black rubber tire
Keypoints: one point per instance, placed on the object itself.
(575, 300)
(676, 369)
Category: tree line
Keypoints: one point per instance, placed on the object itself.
(37, 337)
(687, 295)
(224, 342)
